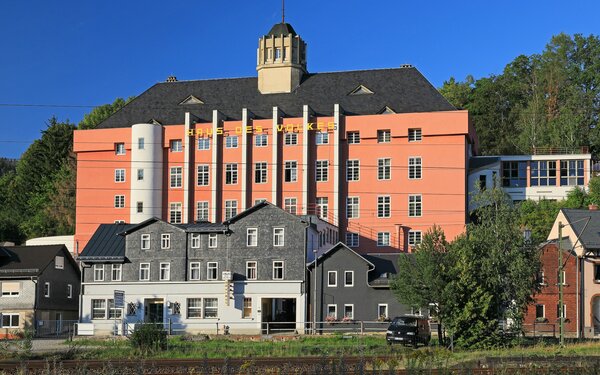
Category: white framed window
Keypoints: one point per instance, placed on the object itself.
(353, 207)
(251, 269)
(540, 311)
(202, 211)
(211, 308)
(260, 172)
(231, 173)
(290, 171)
(145, 242)
(119, 175)
(277, 53)
(349, 311)
(230, 209)
(195, 241)
(120, 148)
(382, 311)
(332, 311)
(98, 272)
(352, 239)
(194, 270)
(252, 237)
(141, 143)
(322, 173)
(165, 272)
(119, 201)
(332, 279)
(414, 237)
(119, 221)
(289, 204)
(384, 206)
(564, 311)
(212, 240)
(322, 138)
(278, 237)
(352, 170)
(384, 136)
(212, 270)
(113, 312)
(10, 289)
(59, 262)
(202, 175)
(290, 139)
(203, 144)
(139, 207)
(384, 169)
(116, 272)
(194, 308)
(144, 271)
(353, 137)
(414, 135)
(261, 140)
(564, 278)
(259, 200)
(247, 309)
(98, 309)
(383, 238)
(165, 241)
(348, 278)
(571, 173)
(140, 174)
(176, 145)
(69, 291)
(278, 267)
(176, 174)
(322, 207)
(414, 168)
(415, 205)
(231, 141)
(47, 289)
(175, 213)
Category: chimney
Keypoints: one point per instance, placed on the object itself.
(171, 79)
(593, 207)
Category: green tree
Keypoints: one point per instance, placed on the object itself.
(101, 113)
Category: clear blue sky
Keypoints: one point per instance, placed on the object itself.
(87, 53)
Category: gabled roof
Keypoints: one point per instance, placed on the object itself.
(336, 248)
(386, 265)
(106, 243)
(135, 227)
(282, 29)
(590, 237)
(255, 208)
(27, 261)
(403, 89)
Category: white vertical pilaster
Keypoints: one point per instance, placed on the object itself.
(275, 157)
(215, 183)
(246, 115)
(336, 164)
(186, 169)
(305, 150)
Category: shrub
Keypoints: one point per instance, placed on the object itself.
(147, 337)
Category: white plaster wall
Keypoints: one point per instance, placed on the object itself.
(150, 159)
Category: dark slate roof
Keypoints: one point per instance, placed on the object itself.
(254, 208)
(282, 29)
(590, 238)
(106, 243)
(477, 162)
(386, 266)
(204, 227)
(27, 260)
(404, 90)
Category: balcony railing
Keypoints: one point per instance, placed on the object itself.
(560, 150)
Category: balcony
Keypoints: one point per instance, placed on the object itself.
(560, 150)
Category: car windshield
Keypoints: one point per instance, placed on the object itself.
(410, 322)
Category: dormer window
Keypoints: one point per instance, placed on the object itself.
(386, 111)
(361, 90)
(191, 100)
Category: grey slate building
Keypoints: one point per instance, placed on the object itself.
(38, 285)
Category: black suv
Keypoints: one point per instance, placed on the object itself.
(409, 330)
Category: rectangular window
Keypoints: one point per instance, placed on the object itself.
(414, 135)
(195, 241)
(352, 170)
(202, 175)
(59, 262)
(231, 141)
(352, 239)
(260, 140)
(139, 207)
(289, 204)
(252, 237)
(231, 173)
(414, 168)
(140, 174)
(540, 312)
(10, 289)
(571, 173)
(260, 172)
(247, 311)
(212, 240)
(165, 272)
(322, 138)
(514, 174)
(116, 272)
(382, 311)
(384, 169)
(212, 270)
(543, 173)
(383, 238)
(349, 311)
(482, 181)
(230, 209)
(203, 144)
(564, 278)
(322, 174)
(278, 270)
(141, 143)
(176, 176)
(291, 171)
(415, 205)
(259, 201)
(277, 53)
(278, 237)
(211, 308)
(352, 207)
(564, 311)
(322, 207)
(175, 213)
(251, 268)
(332, 278)
(120, 148)
(113, 312)
(119, 175)
(202, 211)
(194, 308)
(353, 138)
(145, 241)
(414, 237)
(144, 271)
(69, 291)
(98, 309)
(47, 289)
(176, 145)
(194, 270)
(597, 273)
(165, 241)
(98, 272)
(119, 201)
(384, 136)
(290, 139)
(384, 206)
(348, 278)
(332, 311)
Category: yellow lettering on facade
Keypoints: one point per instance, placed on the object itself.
(190, 132)
(331, 125)
(258, 129)
(319, 126)
(279, 128)
(289, 128)
(309, 126)
(219, 131)
(249, 129)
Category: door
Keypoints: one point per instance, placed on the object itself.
(58, 323)
(154, 311)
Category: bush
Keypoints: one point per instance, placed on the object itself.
(148, 337)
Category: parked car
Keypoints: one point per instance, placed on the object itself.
(409, 330)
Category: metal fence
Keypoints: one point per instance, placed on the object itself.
(55, 328)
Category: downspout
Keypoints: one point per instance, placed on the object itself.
(580, 297)
(35, 300)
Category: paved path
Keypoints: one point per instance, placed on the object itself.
(42, 346)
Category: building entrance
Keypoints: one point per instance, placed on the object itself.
(278, 315)
(153, 310)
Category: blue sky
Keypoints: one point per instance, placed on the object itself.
(84, 53)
